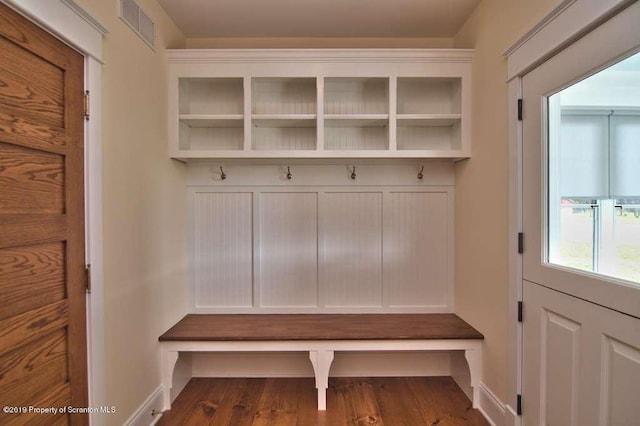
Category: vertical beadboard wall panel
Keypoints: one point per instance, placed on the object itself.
(223, 238)
(416, 249)
(288, 247)
(352, 249)
(321, 242)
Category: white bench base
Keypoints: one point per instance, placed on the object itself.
(321, 354)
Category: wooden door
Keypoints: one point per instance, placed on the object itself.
(43, 345)
(581, 340)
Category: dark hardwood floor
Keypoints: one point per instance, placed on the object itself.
(391, 401)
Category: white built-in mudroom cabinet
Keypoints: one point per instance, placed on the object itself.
(321, 181)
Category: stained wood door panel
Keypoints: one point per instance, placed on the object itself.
(30, 229)
(37, 384)
(31, 181)
(59, 397)
(19, 131)
(24, 33)
(34, 96)
(42, 289)
(31, 325)
(48, 354)
(31, 277)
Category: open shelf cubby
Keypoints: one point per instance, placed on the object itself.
(211, 113)
(429, 113)
(356, 113)
(319, 104)
(283, 114)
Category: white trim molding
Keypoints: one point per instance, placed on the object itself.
(490, 406)
(562, 26)
(184, 56)
(149, 411)
(70, 23)
(66, 20)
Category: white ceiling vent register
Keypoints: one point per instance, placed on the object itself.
(138, 21)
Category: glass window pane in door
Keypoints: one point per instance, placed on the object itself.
(593, 173)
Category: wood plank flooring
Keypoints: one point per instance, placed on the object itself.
(391, 401)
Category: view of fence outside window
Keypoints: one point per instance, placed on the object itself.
(593, 184)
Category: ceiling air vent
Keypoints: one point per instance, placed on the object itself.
(138, 21)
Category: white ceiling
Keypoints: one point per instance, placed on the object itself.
(319, 18)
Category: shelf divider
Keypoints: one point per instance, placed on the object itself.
(393, 108)
(247, 113)
(320, 113)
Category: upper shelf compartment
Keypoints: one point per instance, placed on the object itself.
(211, 114)
(429, 113)
(324, 103)
(283, 114)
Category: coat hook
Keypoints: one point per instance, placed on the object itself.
(223, 175)
(353, 173)
(289, 175)
(420, 174)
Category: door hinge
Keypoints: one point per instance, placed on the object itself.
(519, 404)
(520, 242)
(85, 101)
(87, 272)
(519, 109)
(520, 311)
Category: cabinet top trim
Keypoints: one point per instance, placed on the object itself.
(320, 55)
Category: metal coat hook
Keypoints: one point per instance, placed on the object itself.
(353, 173)
(289, 175)
(223, 175)
(420, 174)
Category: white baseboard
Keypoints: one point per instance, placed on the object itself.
(511, 418)
(491, 407)
(142, 416)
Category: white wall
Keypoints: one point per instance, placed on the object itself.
(144, 207)
(482, 182)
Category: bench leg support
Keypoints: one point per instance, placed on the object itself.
(321, 361)
(474, 359)
(168, 360)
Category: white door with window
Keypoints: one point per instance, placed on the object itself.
(581, 224)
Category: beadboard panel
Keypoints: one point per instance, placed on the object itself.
(288, 244)
(223, 240)
(351, 227)
(416, 249)
(322, 249)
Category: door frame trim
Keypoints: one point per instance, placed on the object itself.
(570, 20)
(71, 24)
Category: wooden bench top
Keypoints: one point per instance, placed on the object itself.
(260, 327)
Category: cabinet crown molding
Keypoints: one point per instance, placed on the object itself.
(321, 55)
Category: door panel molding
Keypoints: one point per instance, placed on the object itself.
(590, 54)
(603, 360)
